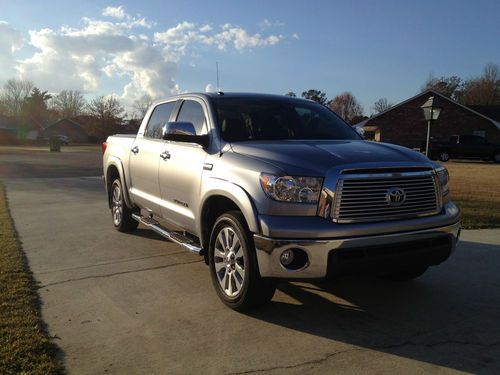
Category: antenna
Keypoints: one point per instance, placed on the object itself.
(217, 69)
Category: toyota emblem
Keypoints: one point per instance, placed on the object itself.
(395, 196)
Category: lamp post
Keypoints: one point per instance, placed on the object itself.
(431, 113)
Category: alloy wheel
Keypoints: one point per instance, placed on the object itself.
(229, 261)
(117, 209)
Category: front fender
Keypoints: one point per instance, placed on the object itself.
(216, 186)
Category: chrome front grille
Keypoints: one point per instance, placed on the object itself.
(385, 196)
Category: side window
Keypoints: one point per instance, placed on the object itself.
(159, 117)
(479, 133)
(192, 111)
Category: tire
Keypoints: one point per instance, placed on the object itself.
(120, 213)
(496, 157)
(444, 156)
(233, 264)
(406, 274)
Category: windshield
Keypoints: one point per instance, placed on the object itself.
(244, 119)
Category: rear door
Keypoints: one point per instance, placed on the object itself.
(145, 159)
(180, 174)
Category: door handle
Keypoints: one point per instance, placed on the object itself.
(135, 150)
(165, 155)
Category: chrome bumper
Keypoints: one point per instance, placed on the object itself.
(269, 249)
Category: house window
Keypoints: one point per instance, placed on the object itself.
(479, 133)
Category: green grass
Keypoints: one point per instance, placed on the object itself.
(24, 344)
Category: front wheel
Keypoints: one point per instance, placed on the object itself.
(233, 264)
(121, 214)
(444, 156)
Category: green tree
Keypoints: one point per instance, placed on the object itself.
(316, 95)
(34, 111)
(291, 93)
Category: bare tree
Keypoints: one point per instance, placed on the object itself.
(13, 95)
(346, 106)
(484, 90)
(381, 105)
(142, 105)
(107, 109)
(316, 95)
(450, 87)
(69, 103)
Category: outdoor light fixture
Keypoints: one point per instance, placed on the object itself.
(431, 113)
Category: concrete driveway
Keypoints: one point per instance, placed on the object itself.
(134, 303)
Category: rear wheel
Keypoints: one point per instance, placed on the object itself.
(406, 274)
(121, 214)
(233, 264)
(444, 156)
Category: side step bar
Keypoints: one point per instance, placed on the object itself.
(176, 237)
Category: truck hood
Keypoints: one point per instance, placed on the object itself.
(316, 157)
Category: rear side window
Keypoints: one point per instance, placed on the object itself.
(192, 111)
(160, 116)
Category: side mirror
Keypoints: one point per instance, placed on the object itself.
(183, 132)
(360, 131)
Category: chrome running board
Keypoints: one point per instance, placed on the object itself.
(176, 237)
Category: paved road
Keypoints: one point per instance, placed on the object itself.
(120, 303)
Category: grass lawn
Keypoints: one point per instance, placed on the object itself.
(24, 345)
(475, 188)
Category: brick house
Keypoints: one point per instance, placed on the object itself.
(404, 123)
(68, 128)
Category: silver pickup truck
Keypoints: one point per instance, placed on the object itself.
(271, 187)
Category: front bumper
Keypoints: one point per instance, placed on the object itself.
(321, 252)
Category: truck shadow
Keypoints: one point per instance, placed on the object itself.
(449, 317)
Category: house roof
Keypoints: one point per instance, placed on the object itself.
(67, 120)
(433, 92)
(491, 111)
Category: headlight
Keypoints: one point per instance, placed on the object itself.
(291, 188)
(444, 179)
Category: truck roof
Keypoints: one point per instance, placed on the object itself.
(245, 95)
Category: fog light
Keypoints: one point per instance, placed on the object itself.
(287, 257)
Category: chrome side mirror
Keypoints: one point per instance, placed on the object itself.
(183, 132)
(360, 131)
(184, 128)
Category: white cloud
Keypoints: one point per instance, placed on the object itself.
(116, 12)
(295, 36)
(10, 41)
(209, 88)
(187, 33)
(119, 48)
(266, 24)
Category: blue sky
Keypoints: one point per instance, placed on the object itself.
(373, 49)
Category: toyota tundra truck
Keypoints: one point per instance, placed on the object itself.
(268, 187)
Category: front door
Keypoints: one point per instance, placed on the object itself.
(181, 169)
(145, 159)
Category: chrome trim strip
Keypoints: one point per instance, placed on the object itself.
(357, 217)
(171, 236)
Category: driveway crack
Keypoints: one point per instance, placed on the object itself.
(117, 273)
(328, 356)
